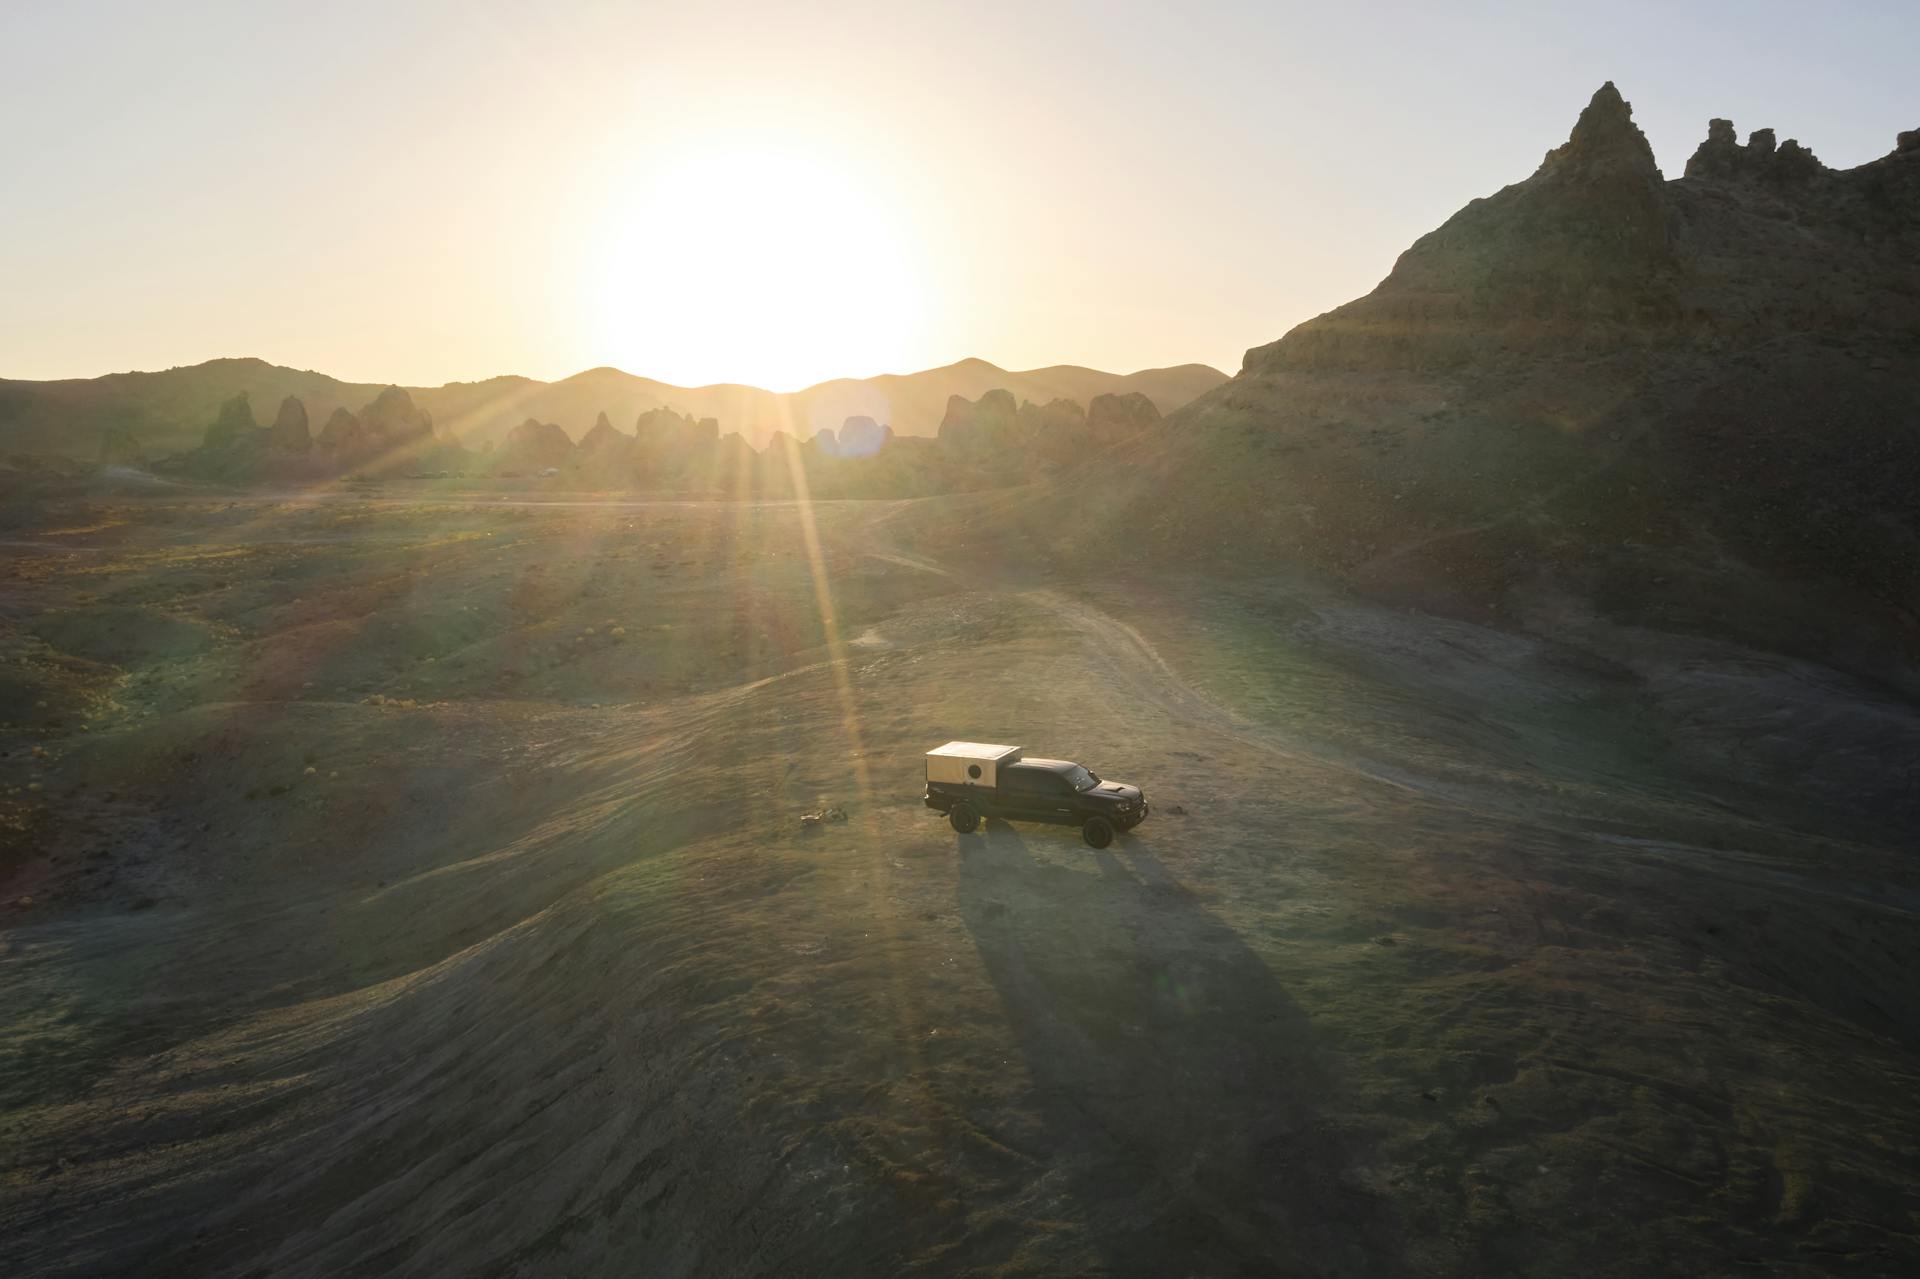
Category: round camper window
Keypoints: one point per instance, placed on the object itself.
(973, 771)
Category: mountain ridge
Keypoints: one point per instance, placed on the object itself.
(168, 410)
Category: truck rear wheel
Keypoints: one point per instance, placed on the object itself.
(1098, 831)
(963, 818)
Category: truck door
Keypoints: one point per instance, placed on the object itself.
(1058, 797)
(1020, 796)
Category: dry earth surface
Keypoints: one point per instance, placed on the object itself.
(409, 884)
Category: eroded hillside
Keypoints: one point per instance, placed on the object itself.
(1695, 402)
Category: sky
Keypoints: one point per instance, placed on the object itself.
(422, 191)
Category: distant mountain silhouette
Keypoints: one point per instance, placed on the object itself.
(168, 411)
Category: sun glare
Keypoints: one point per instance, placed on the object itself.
(756, 262)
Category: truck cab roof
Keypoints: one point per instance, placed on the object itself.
(1050, 765)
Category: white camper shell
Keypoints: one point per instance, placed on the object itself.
(969, 763)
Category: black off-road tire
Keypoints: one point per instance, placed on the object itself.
(1098, 832)
(963, 819)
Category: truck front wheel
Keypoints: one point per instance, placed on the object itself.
(1098, 831)
(963, 818)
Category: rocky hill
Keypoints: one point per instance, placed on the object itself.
(1690, 402)
(166, 412)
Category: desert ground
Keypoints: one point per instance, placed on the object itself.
(410, 880)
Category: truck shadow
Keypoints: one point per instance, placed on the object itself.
(1177, 1090)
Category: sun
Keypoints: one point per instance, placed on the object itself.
(760, 261)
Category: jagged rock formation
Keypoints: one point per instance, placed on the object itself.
(672, 448)
(391, 437)
(979, 430)
(171, 408)
(1694, 402)
(393, 420)
(1054, 434)
(664, 430)
(605, 452)
(1580, 253)
(532, 447)
(234, 426)
(1120, 417)
(1720, 157)
(1055, 417)
(1001, 442)
(289, 433)
(858, 437)
(991, 442)
(344, 436)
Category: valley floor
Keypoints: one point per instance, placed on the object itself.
(397, 885)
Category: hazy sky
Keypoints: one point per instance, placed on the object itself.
(425, 190)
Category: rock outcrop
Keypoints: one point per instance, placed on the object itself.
(1112, 418)
(393, 421)
(1055, 434)
(532, 447)
(344, 437)
(1581, 253)
(1721, 157)
(605, 453)
(1003, 443)
(605, 441)
(289, 433)
(669, 446)
(234, 427)
(982, 427)
(860, 437)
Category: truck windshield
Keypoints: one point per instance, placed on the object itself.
(1080, 779)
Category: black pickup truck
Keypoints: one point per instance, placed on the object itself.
(971, 780)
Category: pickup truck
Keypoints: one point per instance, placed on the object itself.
(968, 781)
